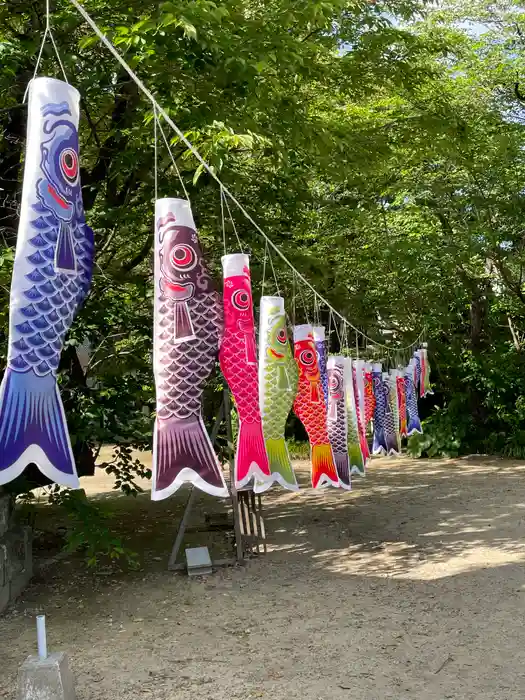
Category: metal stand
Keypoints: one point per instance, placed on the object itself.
(248, 523)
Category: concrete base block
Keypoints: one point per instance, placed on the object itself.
(16, 564)
(46, 679)
(5, 513)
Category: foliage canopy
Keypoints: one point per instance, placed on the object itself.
(380, 144)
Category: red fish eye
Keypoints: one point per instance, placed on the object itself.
(307, 357)
(183, 257)
(69, 164)
(334, 383)
(281, 336)
(241, 299)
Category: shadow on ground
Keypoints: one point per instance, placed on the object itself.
(411, 586)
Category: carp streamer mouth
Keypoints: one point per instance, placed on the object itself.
(180, 291)
(58, 199)
(277, 355)
(245, 323)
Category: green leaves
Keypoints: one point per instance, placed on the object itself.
(382, 152)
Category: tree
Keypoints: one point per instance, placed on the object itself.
(374, 142)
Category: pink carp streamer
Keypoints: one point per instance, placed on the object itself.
(402, 404)
(358, 378)
(238, 360)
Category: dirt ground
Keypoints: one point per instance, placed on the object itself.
(411, 586)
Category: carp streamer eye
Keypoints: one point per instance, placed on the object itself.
(281, 336)
(307, 357)
(334, 383)
(69, 164)
(183, 257)
(241, 300)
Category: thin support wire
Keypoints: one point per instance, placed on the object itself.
(225, 191)
(274, 274)
(223, 223)
(264, 268)
(293, 299)
(47, 32)
(344, 335)
(156, 153)
(304, 304)
(212, 173)
(174, 162)
(317, 320)
(337, 333)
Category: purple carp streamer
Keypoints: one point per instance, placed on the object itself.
(320, 347)
(337, 419)
(391, 424)
(379, 446)
(51, 278)
(187, 326)
(413, 422)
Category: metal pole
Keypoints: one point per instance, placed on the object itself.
(191, 498)
(41, 636)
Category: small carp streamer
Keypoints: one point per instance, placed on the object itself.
(320, 346)
(370, 399)
(357, 460)
(51, 278)
(358, 375)
(379, 446)
(310, 408)
(238, 359)
(401, 404)
(393, 438)
(427, 388)
(187, 324)
(278, 377)
(418, 371)
(337, 421)
(413, 422)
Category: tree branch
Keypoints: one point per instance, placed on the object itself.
(140, 256)
(122, 113)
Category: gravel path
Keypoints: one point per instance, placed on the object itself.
(410, 587)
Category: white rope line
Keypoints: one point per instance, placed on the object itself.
(155, 147)
(224, 191)
(304, 304)
(211, 172)
(317, 316)
(293, 298)
(336, 331)
(264, 267)
(58, 56)
(274, 275)
(47, 32)
(223, 223)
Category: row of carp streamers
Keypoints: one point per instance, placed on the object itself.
(335, 398)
